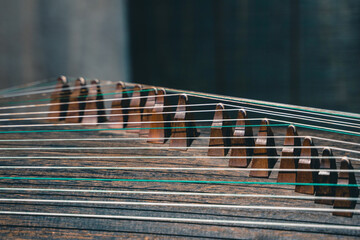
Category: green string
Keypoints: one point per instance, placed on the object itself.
(177, 181)
(119, 129)
(326, 130)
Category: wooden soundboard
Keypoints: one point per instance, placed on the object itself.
(105, 180)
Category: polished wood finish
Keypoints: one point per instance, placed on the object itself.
(241, 137)
(344, 191)
(220, 132)
(77, 102)
(35, 227)
(266, 157)
(290, 149)
(324, 176)
(135, 109)
(183, 129)
(159, 126)
(59, 99)
(94, 110)
(118, 114)
(307, 162)
(146, 114)
(59, 227)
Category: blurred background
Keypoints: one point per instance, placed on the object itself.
(300, 52)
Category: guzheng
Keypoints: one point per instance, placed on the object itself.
(100, 159)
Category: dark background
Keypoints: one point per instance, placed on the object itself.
(300, 52)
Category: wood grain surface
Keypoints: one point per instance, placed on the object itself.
(55, 227)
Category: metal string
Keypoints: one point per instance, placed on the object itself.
(191, 205)
(175, 181)
(201, 169)
(85, 101)
(204, 194)
(171, 157)
(190, 220)
(167, 138)
(166, 147)
(342, 210)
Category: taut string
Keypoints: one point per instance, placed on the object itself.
(205, 194)
(188, 205)
(190, 220)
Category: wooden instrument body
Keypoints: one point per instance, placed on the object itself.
(120, 219)
(59, 99)
(94, 109)
(289, 155)
(183, 128)
(219, 141)
(325, 176)
(159, 120)
(242, 136)
(308, 162)
(119, 108)
(265, 151)
(146, 115)
(77, 102)
(135, 110)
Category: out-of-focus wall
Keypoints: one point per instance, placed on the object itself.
(303, 52)
(46, 38)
